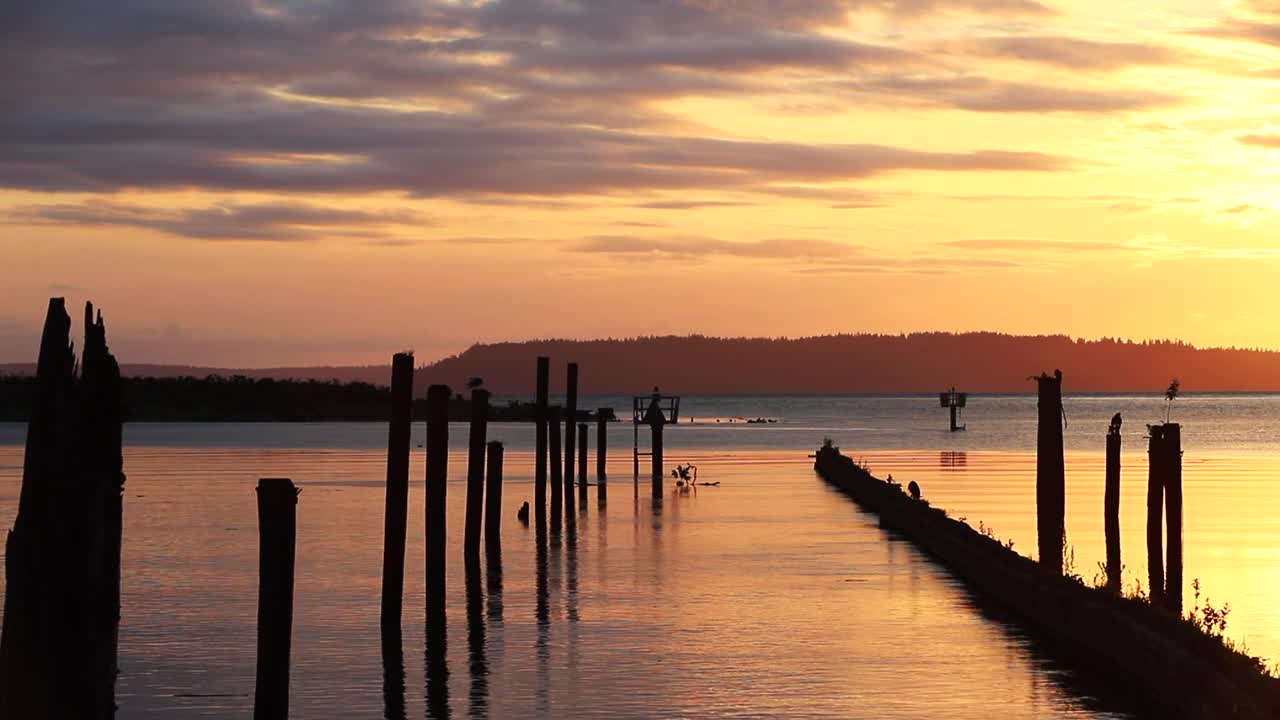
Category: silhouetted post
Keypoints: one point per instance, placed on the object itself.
(397, 505)
(540, 441)
(277, 535)
(602, 443)
(954, 424)
(1155, 507)
(475, 472)
(437, 496)
(493, 497)
(570, 420)
(1172, 468)
(1050, 473)
(582, 464)
(553, 451)
(1111, 506)
(656, 427)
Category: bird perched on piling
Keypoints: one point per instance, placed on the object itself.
(914, 488)
(1115, 425)
(523, 513)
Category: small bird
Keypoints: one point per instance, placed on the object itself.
(523, 513)
(1115, 424)
(914, 488)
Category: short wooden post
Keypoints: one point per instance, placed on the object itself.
(1050, 474)
(1111, 507)
(493, 496)
(277, 536)
(553, 452)
(656, 427)
(396, 514)
(540, 441)
(437, 497)
(475, 472)
(1172, 468)
(582, 464)
(602, 443)
(1155, 508)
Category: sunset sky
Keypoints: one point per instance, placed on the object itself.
(271, 182)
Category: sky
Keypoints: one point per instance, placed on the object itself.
(277, 182)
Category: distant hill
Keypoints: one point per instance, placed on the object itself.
(917, 362)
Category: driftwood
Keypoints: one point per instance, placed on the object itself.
(62, 558)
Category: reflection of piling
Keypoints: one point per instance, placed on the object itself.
(479, 696)
(570, 419)
(475, 472)
(392, 674)
(277, 536)
(540, 441)
(1155, 502)
(1172, 467)
(1111, 508)
(582, 465)
(553, 452)
(437, 495)
(493, 497)
(1050, 474)
(397, 504)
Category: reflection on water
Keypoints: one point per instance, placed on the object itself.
(767, 596)
(953, 459)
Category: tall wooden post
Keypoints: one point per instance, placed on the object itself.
(437, 497)
(277, 535)
(475, 472)
(570, 420)
(1155, 508)
(493, 496)
(1172, 468)
(602, 446)
(396, 515)
(656, 427)
(553, 452)
(1111, 506)
(1050, 474)
(540, 441)
(582, 465)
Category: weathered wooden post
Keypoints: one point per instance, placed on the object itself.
(493, 497)
(1155, 508)
(475, 472)
(277, 536)
(436, 499)
(1111, 506)
(602, 443)
(655, 419)
(540, 440)
(553, 452)
(570, 420)
(1172, 468)
(397, 503)
(582, 465)
(1050, 473)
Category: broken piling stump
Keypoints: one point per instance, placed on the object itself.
(582, 465)
(436, 498)
(540, 441)
(396, 516)
(1050, 473)
(1155, 509)
(1172, 468)
(602, 442)
(553, 453)
(475, 472)
(1111, 505)
(570, 421)
(493, 496)
(277, 538)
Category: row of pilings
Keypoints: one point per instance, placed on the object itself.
(1164, 498)
(483, 516)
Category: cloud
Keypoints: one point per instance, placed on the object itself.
(1261, 140)
(1070, 52)
(701, 247)
(689, 204)
(1031, 245)
(986, 95)
(274, 222)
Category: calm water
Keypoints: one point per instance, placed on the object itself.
(769, 595)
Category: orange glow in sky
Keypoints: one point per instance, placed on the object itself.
(270, 183)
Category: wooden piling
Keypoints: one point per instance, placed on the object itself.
(493, 496)
(656, 427)
(1050, 474)
(582, 464)
(277, 537)
(553, 452)
(540, 440)
(570, 420)
(396, 513)
(1172, 467)
(475, 472)
(436, 499)
(602, 443)
(1111, 506)
(1155, 508)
